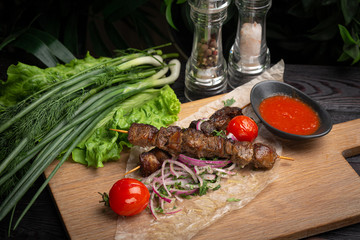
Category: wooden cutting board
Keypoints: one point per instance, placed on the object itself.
(317, 192)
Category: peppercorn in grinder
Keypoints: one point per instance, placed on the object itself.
(206, 69)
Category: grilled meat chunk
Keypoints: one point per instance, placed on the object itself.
(264, 156)
(152, 160)
(218, 121)
(169, 139)
(143, 134)
(222, 117)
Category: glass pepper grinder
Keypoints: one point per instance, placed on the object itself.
(249, 56)
(206, 69)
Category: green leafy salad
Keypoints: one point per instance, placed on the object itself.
(158, 107)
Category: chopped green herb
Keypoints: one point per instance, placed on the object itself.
(185, 196)
(219, 133)
(203, 189)
(162, 191)
(229, 102)
(159, 210)
(217, 187)
(233, 200)
(177, 185)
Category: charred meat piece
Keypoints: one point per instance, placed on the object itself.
(218, 121)
(152, 161)
(264, 156)
(144, 134)
(194, 143)
(222, 117)
(169, 139)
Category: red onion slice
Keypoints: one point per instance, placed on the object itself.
(192, 174)
(163, 177)
(202, 163)
(231, 136)
(198, 124)
(173, 212)
(151, 205)
(159, 194)
(185, 192)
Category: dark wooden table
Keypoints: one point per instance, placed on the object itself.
(337, 89)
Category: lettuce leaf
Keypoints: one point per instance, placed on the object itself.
(24, 80)
(158, 107)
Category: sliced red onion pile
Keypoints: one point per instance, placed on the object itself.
(180, 178)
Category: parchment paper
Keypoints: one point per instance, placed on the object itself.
(200, 212)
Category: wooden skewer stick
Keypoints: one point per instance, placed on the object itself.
(132, 170)
(246, 106)
(118, 130)
(286, 158)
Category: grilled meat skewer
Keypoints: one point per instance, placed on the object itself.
(218, 121)
(151, 161)
(194, 143)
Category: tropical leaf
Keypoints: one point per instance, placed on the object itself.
(349, 9)
(117, 10)
(325, 30)
(144, 19)
(168, 13)
(115, 37)
(54, 45)
(37, 47)
(71, 34)
(97, 43)
(10, 39)
(141, 29)
(351, 46)
(346, 36)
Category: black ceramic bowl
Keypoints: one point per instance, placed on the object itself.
(267, 89)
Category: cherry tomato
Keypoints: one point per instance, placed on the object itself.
(243, 128)
(128, 197)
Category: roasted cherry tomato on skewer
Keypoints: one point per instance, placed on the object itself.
(243, 128)
(127, 197)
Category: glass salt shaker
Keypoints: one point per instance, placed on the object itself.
(206, 69)
(249, 56)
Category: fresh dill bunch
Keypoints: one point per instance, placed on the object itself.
(109, 74)
(9, 112)
(42, 119)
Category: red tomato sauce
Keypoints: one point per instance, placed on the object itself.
(289, 114)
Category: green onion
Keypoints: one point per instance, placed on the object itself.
(82, 101)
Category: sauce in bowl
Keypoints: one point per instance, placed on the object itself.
(289, 114)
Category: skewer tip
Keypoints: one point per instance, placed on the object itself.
(132, 170)
(245, 106)
(287, 158)
(119, 130)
